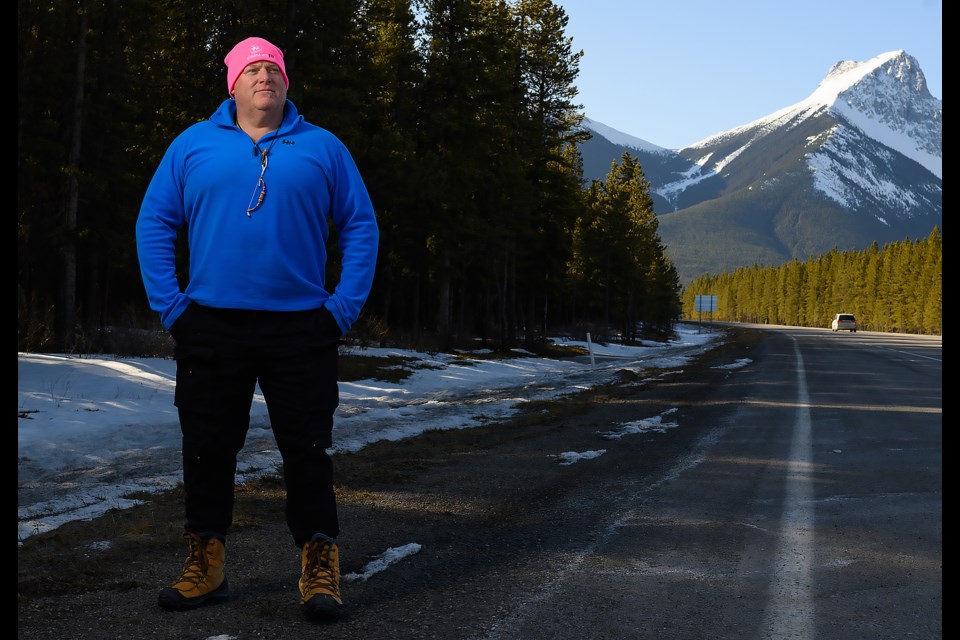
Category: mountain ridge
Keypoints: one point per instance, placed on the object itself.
(857, 161)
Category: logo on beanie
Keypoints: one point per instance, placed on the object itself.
(256, 51)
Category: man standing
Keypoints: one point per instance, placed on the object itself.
(255, 186)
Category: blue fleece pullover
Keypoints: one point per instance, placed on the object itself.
(275, 258)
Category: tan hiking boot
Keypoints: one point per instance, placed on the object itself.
(320, 582)
(202, 579)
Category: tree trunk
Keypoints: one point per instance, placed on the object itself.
(443, 303)
(67, 295)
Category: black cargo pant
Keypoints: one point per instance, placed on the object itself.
(221, 356)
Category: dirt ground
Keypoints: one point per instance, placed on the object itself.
(471, 498)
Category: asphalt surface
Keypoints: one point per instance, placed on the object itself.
(792, 491)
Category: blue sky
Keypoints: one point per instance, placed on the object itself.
(673, 73)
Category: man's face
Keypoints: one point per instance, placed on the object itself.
(260, 86)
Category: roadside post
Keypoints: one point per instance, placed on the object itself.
(706, 303)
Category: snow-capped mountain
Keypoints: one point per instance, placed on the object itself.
(622, 139)
(858, 161)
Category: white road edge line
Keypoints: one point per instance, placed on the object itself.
(790, 611)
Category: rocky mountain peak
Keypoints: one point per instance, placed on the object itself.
(887, 99)
(856, 162)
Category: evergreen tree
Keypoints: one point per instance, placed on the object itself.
(547, 130)
(896, 288)
(617, 250)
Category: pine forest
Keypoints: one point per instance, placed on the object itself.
(898, 288)
(463, 120)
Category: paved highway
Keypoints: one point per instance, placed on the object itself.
(809, 508)
(788, 485)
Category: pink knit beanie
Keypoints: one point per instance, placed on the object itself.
(249, 51)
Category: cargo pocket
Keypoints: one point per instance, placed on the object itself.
(196, 377)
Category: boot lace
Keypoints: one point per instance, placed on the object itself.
(321, 571)
(195, 567)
